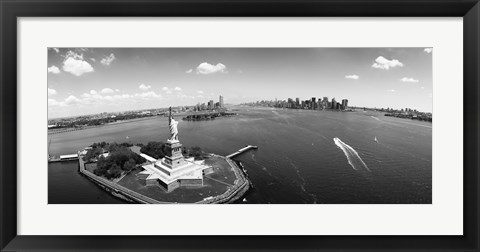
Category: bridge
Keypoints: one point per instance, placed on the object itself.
(242, 150)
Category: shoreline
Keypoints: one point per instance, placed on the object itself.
(65, 130)
(103, 125)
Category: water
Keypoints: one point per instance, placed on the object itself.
(63, 182)
(304, 156)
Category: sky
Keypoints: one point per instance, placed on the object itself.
(84, 81)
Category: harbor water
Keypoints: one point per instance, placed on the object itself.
(323, 157)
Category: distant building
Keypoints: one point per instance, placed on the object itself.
(297, 101)
(210, 105)
(344, 104)
(314, 102)
(325, 102)
(334, 103)
(220, 101)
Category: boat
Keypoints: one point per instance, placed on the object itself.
(375, 139)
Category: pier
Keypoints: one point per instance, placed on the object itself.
(68, 157)
(242, 150)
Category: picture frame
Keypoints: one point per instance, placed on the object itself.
(11, 10)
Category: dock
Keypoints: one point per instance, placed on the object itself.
(242, 150)
(68, 157)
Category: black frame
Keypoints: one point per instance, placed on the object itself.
(10, 10)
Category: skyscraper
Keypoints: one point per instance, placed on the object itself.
(297, 100)
(344, 104)
(334, 103)
(325, 102)
(220, 100)
(210, 104)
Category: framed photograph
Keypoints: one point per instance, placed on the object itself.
(239, 125)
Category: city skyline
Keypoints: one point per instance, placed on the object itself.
(85, 81)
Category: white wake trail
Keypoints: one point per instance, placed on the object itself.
(352, 156)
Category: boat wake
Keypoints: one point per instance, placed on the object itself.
(376, 118)
(352, 156)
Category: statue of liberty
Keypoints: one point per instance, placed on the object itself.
(173, 126)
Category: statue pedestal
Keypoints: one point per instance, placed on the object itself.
(173, 156)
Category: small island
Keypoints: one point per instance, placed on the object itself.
(208, 116)
(164, 172)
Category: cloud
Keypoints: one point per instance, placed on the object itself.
(353, 77)
(93, 59)
(107, 91)
(55, 49)
(428, 50)
(149, 94)
(93, 98)
(71, 100)
(144, 87)
(422, 87)
(391, 90)
(189, 71)
(406, 79)
(200, 91)
(117, 90)
(108, 59)
(75, 64)
(385, 64)
(206, 68)
(167, 90)
(52, 91)
(123, 96)
(54, 103)
(178, 89)
(53, 69)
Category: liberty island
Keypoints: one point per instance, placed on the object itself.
(216, 179)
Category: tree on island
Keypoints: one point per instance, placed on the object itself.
(157, 150)
(102, 147)
(154, 149)
(121, 158)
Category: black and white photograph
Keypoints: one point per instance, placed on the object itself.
(240, 125)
